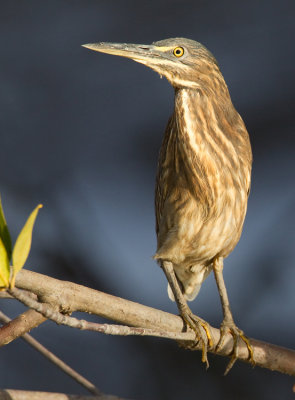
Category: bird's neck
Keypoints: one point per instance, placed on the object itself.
(206, 123)
(207, 141)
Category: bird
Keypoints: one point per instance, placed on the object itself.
(203, 177)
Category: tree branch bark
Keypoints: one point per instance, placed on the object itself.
(70, 297)
(22, 324)
(10, 394)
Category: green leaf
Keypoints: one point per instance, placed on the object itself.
(4, 232)
(23, 243)
(4, 266)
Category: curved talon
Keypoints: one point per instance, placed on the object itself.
(223, 333)
(207, 330)
(249, 347)
(237, 334)
(230, 365)
(202, 332)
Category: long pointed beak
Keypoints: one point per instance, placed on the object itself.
(138, 52)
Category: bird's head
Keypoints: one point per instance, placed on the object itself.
(184, 62)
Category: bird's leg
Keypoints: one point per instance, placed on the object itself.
(228, 325)
(198, 325)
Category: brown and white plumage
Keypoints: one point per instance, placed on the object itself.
(203, 178)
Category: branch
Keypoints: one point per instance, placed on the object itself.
(5, 295)
(20, 325)
(70, 297)
(53, 358)
(61, 319)
(10, 394)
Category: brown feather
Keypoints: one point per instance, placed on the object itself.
(203, 178)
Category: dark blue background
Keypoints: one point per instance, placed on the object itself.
(80, 133)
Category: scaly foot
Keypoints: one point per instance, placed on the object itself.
(228, 326)
(202, 330)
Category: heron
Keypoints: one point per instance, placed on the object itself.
(203, 177)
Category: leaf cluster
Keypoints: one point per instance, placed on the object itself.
(13, 259)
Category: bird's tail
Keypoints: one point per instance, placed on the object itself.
(191, 284)
(188, 297)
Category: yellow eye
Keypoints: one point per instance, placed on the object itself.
(178, 51)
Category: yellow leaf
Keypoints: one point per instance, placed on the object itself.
(4, 266)
(23, 244)
(4, 232)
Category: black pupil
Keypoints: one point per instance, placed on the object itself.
(178, 51)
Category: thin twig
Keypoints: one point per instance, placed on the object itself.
(54, 359)
(108, 329)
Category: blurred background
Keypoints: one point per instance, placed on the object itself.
(80, 133)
